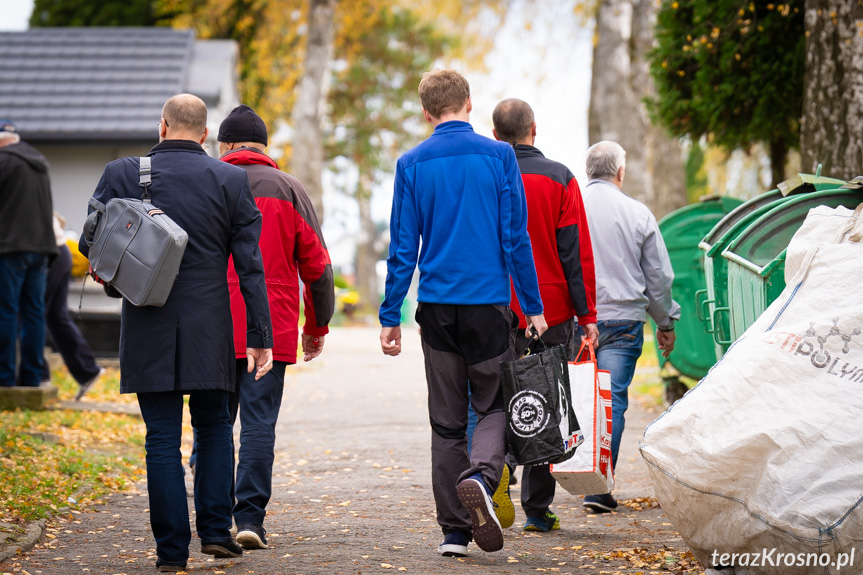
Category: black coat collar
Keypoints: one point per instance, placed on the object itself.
(185, 145)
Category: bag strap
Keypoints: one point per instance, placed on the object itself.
(536, 337)
(144, 177)
(97, 205)
(591, 355)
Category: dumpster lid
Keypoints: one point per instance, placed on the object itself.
(766, 238)
(854, 184)
(801, 180)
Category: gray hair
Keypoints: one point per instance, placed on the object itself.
(604, 159)
(10, 136)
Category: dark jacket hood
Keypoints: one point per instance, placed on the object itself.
(29, 154)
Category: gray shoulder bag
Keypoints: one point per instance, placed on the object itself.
(134, 246)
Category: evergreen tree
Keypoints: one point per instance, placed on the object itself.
(731, 70)
(90, 13)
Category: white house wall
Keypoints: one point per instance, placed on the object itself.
(75, 171)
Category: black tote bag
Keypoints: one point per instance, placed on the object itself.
(541, 424)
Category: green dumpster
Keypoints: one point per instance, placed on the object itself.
(715, 295)
(681, 231)
(756, 257)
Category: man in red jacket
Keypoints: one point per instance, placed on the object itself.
(557, 225)
(291, 246)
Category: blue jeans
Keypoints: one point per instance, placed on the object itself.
(169, 510)
(619, 347)
(259, 403)
(22, 298)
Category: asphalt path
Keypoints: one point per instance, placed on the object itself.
(352, 491)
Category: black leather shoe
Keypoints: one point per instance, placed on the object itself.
(604, 503)
(222, 549)
(162, 568)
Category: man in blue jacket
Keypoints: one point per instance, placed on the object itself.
(462, 195)
(186, 347)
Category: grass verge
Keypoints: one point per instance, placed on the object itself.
(62, 459)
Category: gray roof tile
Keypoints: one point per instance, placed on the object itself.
(62, 84)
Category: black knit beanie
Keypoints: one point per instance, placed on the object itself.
(243, 125)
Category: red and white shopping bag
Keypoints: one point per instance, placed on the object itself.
(589, 471)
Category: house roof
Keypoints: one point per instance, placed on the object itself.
(103, 84)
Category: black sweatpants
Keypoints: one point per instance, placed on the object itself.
(464, 345)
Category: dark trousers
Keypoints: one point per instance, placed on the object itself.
(169, 510)
(463, 347)
(64, 333)
(537, 484)
(258, 403)
(22, 305)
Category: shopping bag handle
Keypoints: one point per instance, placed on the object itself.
(534, 337)
(586, 343)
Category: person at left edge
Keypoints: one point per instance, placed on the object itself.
(293, 248)
(186, 346)
(26, 248)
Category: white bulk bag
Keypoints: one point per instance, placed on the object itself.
(764, 458)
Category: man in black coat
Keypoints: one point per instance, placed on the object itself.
(186, 346)
(26, 245)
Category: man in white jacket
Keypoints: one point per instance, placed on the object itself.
(633, 280)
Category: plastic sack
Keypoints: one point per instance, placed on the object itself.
(759, 467)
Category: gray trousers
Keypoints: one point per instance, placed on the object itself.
(537, 484)
(463, 346)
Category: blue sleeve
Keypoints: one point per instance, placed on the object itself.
(404, 245)
(517, 251)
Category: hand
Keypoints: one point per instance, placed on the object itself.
(538, 323)
(665, 342)
(260, 358)
(591, 332)
(313, 345)
(391, 340)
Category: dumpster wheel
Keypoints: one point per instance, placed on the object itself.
(674, 388)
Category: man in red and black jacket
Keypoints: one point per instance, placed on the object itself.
(557, 225)
(292, 247)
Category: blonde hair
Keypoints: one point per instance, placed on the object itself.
(443, 91)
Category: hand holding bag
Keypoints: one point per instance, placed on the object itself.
(589, 471)
(541, 425)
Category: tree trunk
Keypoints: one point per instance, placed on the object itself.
(367, 278)
(307, 162)
(621, 81)
(778, 157)
(832, 127)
